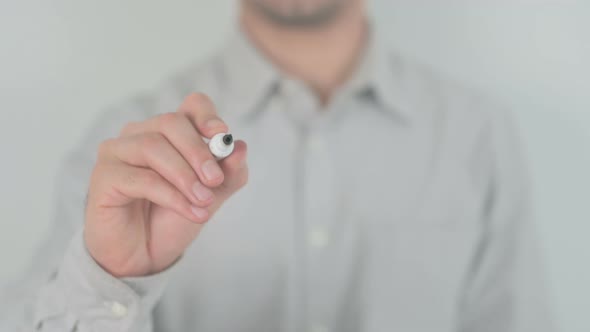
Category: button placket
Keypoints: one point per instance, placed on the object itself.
(319, 197)
(316, 184)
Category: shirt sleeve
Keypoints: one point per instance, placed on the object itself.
(64, 289)
(85, 297)
(505, 289)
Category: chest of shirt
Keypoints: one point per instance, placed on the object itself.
(362, 211)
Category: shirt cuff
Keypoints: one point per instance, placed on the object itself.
(98, 299)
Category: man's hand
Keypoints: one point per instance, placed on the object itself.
(154, 186)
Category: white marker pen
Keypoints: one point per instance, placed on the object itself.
(221, 145)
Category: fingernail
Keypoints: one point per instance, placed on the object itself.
(214, 123)
(211, 170)
(200, 213)
(201, 192)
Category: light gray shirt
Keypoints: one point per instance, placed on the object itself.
(401, 206)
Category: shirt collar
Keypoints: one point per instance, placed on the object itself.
(381, 76)
(252, 78)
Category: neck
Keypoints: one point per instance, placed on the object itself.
(321, 56)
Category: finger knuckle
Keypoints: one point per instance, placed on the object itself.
(186, 179)
(128, 129)
(105, 148)
(175, 199)
(99, 172)
(130, 179)
(179, 201)
(198, 100)
(199, 156)
(151, 142)
(168, 121)
(149, 178)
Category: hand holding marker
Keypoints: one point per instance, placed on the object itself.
(155, 185)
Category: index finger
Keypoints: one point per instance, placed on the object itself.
(200, 110)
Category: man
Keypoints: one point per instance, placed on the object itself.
(380, 197)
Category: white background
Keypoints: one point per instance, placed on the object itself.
(62, 61)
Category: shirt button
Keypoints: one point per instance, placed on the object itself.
(319, 328)
(118, 310)
(318, 238)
